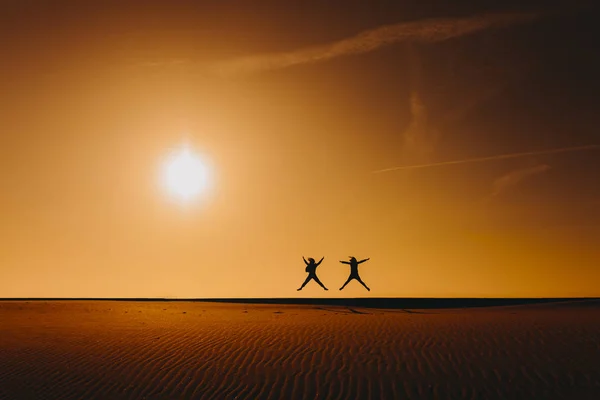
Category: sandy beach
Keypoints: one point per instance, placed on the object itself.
(204, 350)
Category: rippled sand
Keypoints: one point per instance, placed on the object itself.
(196, 350)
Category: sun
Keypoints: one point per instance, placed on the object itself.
(184, 174)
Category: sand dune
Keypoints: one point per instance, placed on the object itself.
(195, 350)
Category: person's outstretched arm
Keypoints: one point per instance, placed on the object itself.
(322, 258)
(305, 262)
(362, 261)
(345, 262)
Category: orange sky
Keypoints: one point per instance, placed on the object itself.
(89, 111)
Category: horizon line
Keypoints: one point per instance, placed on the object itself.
(287, 298)
(397, 303)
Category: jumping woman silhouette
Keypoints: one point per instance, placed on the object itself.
(354, 271)
(311, 268)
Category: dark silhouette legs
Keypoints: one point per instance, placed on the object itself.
(362, 283)
(320, 283)
(348, 281)
(358, 279)
(311, 277)
(308, 278)
(305, 282)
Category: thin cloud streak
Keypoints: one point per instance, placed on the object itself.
(512, 178)
(424, 31)
(491, 158)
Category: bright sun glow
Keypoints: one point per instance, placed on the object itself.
(184, 174)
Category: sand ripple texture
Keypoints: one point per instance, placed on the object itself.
(181, 350)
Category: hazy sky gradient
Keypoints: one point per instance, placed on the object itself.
(95, 94)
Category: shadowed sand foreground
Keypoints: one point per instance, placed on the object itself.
(197, 350)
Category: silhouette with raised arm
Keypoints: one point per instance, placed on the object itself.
(354, 272)
(311, 268)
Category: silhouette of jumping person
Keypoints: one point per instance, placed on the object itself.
(354, 272)
(311, 268)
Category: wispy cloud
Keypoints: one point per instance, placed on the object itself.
(514, 177)
(428, 30)
(490, 158)
(420, 137)
(422, 134)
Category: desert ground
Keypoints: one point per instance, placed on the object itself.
(205, 350)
